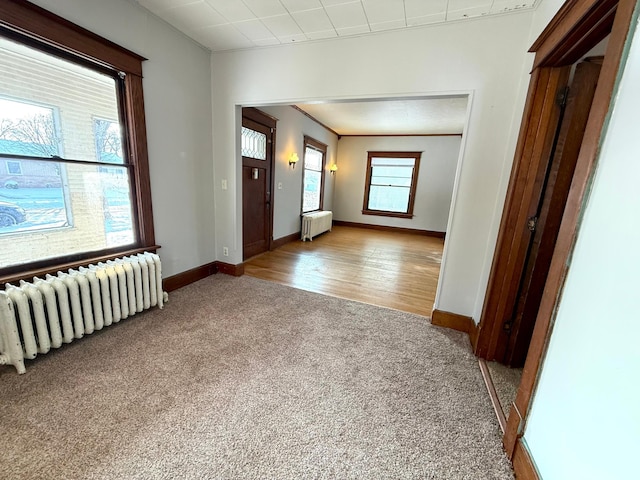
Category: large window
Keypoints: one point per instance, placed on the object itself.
(73, 173)
(391, 183)
(313, 175)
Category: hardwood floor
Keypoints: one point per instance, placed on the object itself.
(388, 269)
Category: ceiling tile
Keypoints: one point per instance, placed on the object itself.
(358, 29)
(300, 37)
(468, 12)
(464, 4)
(282, 25)
(265, 8)
(379, 11)
(299, 5)
(221, 37)
(322, 34)
(193, 16)
(254, 30)
(392, 25)
(504, 6)
(427, 19)
(266, 42)
(232, 10)
(347, 15)
(313, 20)
(159, 5)
(420, 8)
(328, 3)
(270, 22)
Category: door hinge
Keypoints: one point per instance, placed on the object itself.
(506, 326)
(532, 223)
(561, 98)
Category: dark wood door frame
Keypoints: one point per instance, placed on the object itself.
(577, 27)
(515, 341)
(271, 122)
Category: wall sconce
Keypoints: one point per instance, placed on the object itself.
(293, 159)
(333, 169)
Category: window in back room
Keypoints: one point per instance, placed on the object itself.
(391, 182)
(65, 183)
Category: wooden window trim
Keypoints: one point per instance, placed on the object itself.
(39, 24)
(412, 190)
(53, 34)
(321, 147)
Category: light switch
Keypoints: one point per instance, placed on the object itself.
(224, 184)
(279, 185)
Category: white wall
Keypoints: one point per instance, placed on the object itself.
(177, 94)
(291, 128)
(545, 11)
(585, 422)
(436, 176)
(485, 56)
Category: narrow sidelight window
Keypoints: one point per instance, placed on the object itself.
(315, 154)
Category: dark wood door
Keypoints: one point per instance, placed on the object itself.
(257, 165)
(545, 224)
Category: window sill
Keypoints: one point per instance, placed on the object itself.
(311, 211)
(381, 213)
(53, 269)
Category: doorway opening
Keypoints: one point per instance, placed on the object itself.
(342, 191)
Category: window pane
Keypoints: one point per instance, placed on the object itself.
(27, 129)
(313, 159)
(391, 181)
(254, 144)
(14, 168)
(389, 199)
(311, 192)
(57, 209)
(393, 161)
(399, 176)
(108, 141)
(48, 106)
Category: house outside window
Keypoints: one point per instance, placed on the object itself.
(391, 183)
(315, 154)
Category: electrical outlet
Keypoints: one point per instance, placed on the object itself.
(225, 251)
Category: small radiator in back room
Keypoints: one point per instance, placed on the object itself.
(36, 316)
(315, 223)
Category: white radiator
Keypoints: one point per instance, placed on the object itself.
(315, 223)
(36, 316)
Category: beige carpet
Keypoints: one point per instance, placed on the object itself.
(241, 378)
